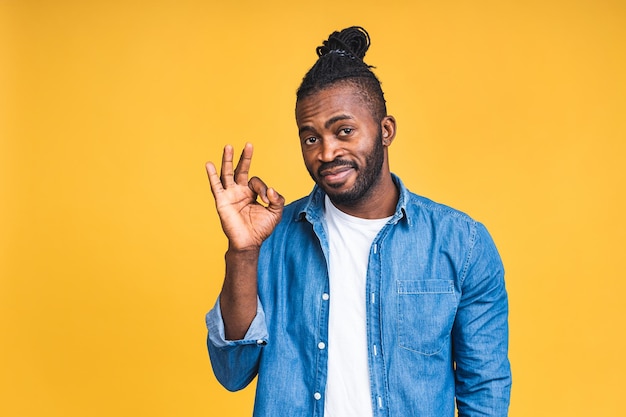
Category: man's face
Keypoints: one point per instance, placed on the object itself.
(341, 142)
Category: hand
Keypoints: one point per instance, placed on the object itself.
(246, 222)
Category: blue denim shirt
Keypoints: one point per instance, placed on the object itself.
(437, 311)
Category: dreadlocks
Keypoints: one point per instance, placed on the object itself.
(341, 60)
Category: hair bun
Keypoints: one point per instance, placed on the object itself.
(354, 40)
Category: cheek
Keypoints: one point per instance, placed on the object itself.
(309, 159)
(366, 148)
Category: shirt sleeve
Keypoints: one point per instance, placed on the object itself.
(235, 362)
(480, 333)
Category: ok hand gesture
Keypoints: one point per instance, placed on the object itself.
(246, 222)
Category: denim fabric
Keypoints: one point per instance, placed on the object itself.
(436, 317)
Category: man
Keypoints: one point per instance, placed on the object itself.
(361, 299)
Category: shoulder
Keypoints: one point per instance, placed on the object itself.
(440, 221)
(425, 206)
(419, 208)
(455, 233)
(422, 210)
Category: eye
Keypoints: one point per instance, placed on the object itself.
(345, 131)
(310, 140)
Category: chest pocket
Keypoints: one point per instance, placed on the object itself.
(426, 310)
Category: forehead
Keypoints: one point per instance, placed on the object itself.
(341, 98)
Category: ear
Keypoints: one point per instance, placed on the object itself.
(388, 128)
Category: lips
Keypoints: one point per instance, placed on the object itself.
(336, 172)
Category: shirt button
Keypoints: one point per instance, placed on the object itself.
(321, 345)
(325, 297)
(317, 396)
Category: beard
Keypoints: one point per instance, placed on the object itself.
(367, 176)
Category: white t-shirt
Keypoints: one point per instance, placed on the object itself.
(350, 238)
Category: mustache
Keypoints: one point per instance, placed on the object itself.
(334, 164)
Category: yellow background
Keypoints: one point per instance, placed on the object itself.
(111, 252)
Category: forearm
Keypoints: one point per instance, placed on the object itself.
(238, 299)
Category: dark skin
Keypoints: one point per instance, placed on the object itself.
(334, 125)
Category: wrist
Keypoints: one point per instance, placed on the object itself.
(247, 253)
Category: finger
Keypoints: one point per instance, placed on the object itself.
(226, 173)
(259, 188)
(214, 180)
(243, 166)
(276, 201)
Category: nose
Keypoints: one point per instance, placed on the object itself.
(330, 149)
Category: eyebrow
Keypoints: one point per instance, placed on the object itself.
(328, 123)
(335, 119)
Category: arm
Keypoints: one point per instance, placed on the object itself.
(480, 334)
(246, 223)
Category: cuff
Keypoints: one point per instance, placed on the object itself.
(256, 334)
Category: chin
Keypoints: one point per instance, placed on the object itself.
(346, 197)
(336, 189)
